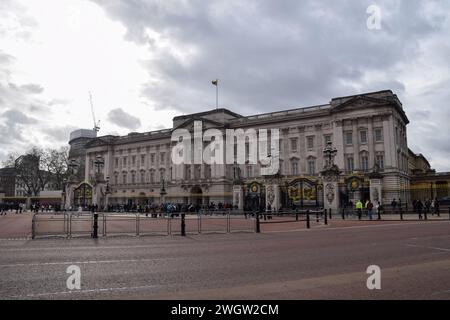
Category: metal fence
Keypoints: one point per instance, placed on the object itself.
(73, 224)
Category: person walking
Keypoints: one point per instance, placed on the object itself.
(379, 209)
(419, 205)
(436, 207)
(369, 207)
(359, 207)
(394, 204)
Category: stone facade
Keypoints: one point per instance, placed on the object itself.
(368, 131)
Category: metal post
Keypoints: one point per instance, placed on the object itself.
(33, 226)
(401, 214)
(448, 213)
(307, 220)
(317, 216)
(95, 226)
(138, 215)
(258, 228)
(343, 214)
(325, 216)
(329, 210)
(183, 225)
(296, 215)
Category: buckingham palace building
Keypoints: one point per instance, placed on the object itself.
(368, 133)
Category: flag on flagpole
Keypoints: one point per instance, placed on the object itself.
(215, 82)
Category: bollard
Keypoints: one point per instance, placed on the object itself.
(95, 226)
(296, 215)
(448, 213)
(329, 210)
(325, 216)
(317, 216)
(183, 225)
(307, 220)
(426, 217)
(258, 228)
(401, 214)
(343, 214)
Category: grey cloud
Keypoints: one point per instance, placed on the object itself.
(123, 119)
(273, 55)
(32, 88)
(17, 117)
(270, 54)
(59, 134)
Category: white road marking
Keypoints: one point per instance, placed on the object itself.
(84, 291)
(359, 227)
(34, 264)
(427, 247)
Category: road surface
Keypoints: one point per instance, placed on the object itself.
(320, 263)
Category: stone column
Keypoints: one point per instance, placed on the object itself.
(331, 188)
(238, 197)
(273, 197)
(376, 186)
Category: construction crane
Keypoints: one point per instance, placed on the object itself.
(96, 124)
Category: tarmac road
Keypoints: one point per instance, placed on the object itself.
(322, 263)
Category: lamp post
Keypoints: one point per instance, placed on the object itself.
(330, 176)
(329, 153)
(73, 164)
(162, 193)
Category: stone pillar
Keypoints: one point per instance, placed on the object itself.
(238, 197)
(376, 186)
(273, 197)
(331, 188)
(331, 194)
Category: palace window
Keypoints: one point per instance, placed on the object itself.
(249, 172)
(350, 163)
(152, 176)
(378, 135)
(363, 136)
(312, 166)
(207, 171)
(142, 159)
(327, 138)
(364, 162)
(152, 158)
(187, 172)
(380, 161)
(294, 145)
(310, 142)
(349, 138)
(124, 178)
(294, 167)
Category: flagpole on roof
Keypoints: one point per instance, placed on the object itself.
(216, 83)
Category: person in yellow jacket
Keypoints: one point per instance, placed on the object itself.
(359, 207)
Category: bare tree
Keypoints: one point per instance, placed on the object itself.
(57, 164)
(30, 171)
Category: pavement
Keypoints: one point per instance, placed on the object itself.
(319, 263)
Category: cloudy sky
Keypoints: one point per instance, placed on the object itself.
(146, 61)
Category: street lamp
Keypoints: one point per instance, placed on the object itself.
(99, 162)
(329, 153)
(162, 193)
